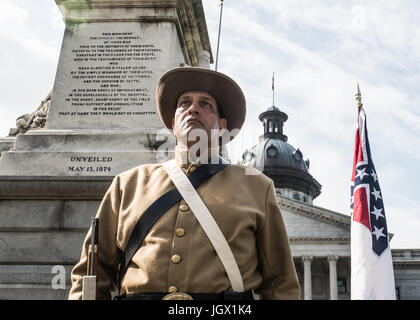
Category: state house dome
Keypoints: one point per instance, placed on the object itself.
(280, 161)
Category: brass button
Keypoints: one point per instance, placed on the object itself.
(183, 207)
(172, 289)
(192, 169)
(176, 258)
(180, 232)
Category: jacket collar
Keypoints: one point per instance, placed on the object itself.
(186, 160)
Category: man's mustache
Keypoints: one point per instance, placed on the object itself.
(190, 119)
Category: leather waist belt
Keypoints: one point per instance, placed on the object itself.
(225, 295)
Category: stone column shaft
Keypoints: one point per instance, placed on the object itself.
(332, 260)
(307, 277)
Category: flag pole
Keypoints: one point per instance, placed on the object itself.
(218, 36)
(358, 99)
(359, 103)
(272, 87)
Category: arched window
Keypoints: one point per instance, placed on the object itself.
(276, 126)
(296, 196)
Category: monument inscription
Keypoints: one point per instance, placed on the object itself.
(107, 78)
(102, 75)
(90, 164)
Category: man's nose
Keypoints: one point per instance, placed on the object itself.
(194, 108)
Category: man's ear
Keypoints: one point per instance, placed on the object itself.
(222, 123)
(173, 122)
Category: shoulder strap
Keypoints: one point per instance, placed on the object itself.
(207, 222)
(157, 209)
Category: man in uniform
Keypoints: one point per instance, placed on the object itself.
(176, 255)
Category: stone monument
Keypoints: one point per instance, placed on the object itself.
(101, 119)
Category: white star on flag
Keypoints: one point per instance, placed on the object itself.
(361, 173)
(375, 177)
(376, 193)
(378, 232)
(377, 212)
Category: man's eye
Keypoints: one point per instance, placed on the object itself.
(206, 104)
(184, 103)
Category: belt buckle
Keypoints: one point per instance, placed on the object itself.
(177, 296)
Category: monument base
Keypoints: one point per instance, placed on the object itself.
(85, 152)
(44, 221)
(51, 184)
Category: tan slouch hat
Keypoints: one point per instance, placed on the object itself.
(226, 91)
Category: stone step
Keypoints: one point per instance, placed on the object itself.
(46, 214)
(49, 275)
(6, 143)
(32, 292)
(46, 140)
(43, 247)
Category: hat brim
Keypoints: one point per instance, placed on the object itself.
(222, 88)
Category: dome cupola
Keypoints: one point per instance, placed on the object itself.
(280, 161)
(273, 120)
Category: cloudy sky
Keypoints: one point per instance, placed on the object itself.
(318, 50)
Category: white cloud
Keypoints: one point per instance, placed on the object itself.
(14, 31)
(11, 17)
(28, 64)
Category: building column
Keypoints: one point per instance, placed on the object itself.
(307, 277)
(332, 260)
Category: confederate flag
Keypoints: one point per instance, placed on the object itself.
(372, 274)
